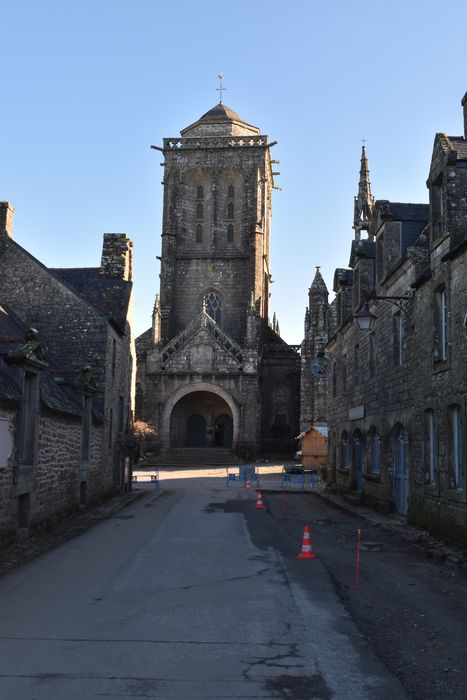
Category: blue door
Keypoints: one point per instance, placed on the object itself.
(358, 460)
(196, 431)
(401, 475)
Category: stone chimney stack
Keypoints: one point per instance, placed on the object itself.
(7, 213)
(464, 105)
(116, 259)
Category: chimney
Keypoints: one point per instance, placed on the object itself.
(7, 213)
(116, 259)
(464, 105)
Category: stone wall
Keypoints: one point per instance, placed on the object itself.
(8, 508)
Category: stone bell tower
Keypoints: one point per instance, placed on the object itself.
(216, 223)
(212, 373)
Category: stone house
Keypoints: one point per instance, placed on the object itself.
(212, 371)
(66, 394)
(397, 401)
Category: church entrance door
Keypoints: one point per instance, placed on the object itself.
(196, 431)
(223, 433)
(201, 419)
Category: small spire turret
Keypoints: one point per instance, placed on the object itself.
(364, 201)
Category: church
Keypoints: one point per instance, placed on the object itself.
(213, 371)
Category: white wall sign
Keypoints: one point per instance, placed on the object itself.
(356, 412)
(6, 441)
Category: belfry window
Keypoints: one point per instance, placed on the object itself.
(199, 211)
(214, 306)
(230, 210)
(231, 192)
(199, 233)
(230, 233)
(200, 192)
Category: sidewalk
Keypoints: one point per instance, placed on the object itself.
(19, 553)
(421, 540)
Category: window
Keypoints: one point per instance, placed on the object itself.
(29, 406)
(199, 233)
(398, 339)
(121, 413)
(214, 307)
(111, 417)
(230, 233)
(200, 192)
(356, 365)
(334, 379)
(375, 452)
(199, 211)
(440, 324)
(231, 192)
(372, 354)
(456, 476)
(344, 373)
(86, 428)
(230, 210)
(438, 208)
(430, 456)
(114, 356)
(345, 451)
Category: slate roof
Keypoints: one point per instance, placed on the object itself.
(459, 143)
(221, 113)
(12, 338)
(110, 295)
(274, 345)
(405, 211)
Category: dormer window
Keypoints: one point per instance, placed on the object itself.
(440, 325)
(438, 208)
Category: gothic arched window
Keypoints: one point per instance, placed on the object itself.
(231, 192)
(199, 211)
(214, 306)
(230, 233)
(200, 192)
(199, 233)
(230, 210)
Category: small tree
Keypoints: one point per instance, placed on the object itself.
(145, 437)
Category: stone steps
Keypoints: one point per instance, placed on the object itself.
(195, 457)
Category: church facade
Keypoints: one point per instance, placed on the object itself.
(213, 372)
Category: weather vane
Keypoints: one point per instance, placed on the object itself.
(221, 89)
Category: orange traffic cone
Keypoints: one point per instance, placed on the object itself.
(259, 500)
(307, 549)
(247, 485)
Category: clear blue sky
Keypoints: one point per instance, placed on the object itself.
(87, 86)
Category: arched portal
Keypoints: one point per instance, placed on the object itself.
(201, 418)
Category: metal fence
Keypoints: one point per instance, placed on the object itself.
(278, 448)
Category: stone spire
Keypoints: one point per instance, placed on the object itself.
(318, 303)
(364, 201)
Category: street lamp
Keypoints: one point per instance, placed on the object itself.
(366, 320)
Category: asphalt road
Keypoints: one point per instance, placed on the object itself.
(194, 593)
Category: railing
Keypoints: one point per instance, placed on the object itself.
(275, 447)
(219, 142)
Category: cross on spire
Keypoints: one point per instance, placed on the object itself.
(220, 89)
